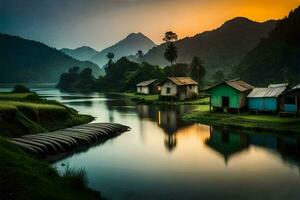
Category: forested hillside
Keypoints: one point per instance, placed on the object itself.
(276, 58)
(29, 61)
(220, 49)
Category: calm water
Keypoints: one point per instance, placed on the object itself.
(165, 158)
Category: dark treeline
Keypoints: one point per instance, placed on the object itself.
(123, 75)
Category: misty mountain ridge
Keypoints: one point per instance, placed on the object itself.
(220, 49)
(83, 53)
(28, 61)
(126, 47)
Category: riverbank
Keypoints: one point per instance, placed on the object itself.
(154, 100)
(22, 176)
(27, 113)
(260, 122)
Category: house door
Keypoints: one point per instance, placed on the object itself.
(225, 102)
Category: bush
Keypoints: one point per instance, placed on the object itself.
(20, 89)
(76, 178)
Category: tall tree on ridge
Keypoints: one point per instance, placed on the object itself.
(171, 52)
(110, 56)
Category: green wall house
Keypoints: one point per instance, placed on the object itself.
(229, 95)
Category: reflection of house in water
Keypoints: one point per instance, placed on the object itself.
(229, 144)
(147, 112)
(226, 143)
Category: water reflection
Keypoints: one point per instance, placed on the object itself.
(163, 157)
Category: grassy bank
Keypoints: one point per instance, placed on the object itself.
(245, 120)
(26, 113)
(154, 100)
(23, 176)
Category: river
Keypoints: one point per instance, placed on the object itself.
(162, 157)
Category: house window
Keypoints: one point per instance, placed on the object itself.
(168, 90)
(289, 100)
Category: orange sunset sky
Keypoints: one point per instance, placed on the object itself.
(101, 23)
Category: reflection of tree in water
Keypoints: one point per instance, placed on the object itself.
(170, 141)
(168, 118)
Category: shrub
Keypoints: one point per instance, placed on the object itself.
(20, 89)
(76, 178)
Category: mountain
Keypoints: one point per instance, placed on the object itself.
(220, 49)
(128, 46)
(277, 58)
(82, 53)
(29, 61)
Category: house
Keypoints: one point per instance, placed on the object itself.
(229, 95)
(178, 88)
(289, 101)
(147, 87)
(265, 99)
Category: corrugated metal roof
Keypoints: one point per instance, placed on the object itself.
(146, 83)
(239, 85)
(183, 81)
(267, 92)
(296, 87)
(278, 85)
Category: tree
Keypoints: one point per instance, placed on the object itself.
(218, 76)
(171, 53)
(140, 54)
(110, 56)
(20, 89)
(170, 37)
(197, 69)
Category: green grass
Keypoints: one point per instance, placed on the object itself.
(19, 117)
(244, 120)
(154, 99)
(23, 177)
(18, 96)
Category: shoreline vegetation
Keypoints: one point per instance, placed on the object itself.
(154, 99)
(33, 179)
(259, 122)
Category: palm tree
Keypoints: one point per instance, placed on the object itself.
(171, 52)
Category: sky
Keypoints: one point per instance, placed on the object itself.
(101, 23)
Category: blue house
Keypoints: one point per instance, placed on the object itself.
(289, 101)
(265, 99)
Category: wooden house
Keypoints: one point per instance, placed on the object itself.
(147, 87)
(229, 95)
(266, 99)
(289, 101)
(178, 88)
